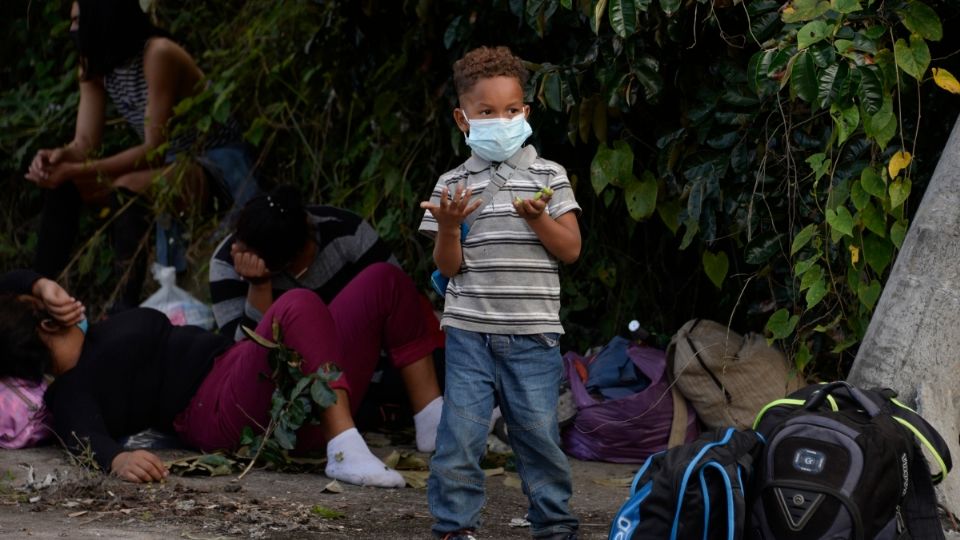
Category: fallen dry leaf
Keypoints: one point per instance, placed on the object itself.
(332, 487)
(415, 479)
(614, 482)
(513, 481)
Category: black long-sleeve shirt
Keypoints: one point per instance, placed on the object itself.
(136, 371)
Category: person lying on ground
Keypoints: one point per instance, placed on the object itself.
(135, 371)
(145, 73)
(279, 245)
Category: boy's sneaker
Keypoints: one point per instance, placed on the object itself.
(463, 534)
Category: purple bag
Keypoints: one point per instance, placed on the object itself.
(629, 429)
(23, 416)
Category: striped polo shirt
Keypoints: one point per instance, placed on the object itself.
(508, 282)
(346, 245)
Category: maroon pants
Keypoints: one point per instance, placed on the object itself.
(379, 309)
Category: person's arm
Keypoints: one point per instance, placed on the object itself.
(78, 420)
(554, 218)
(19, 281)
(449, 214)
(79, 423)
(66, 309)
(58, 303)
(231, 295)
(253, 270)
(87, 135)
(560, 236)
(166, 67)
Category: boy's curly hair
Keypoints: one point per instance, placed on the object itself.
(484, 63)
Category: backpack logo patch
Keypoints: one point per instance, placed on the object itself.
(809, 461)
(797, 506)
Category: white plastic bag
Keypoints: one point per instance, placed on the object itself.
(177, 304)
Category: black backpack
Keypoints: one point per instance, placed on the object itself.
(842, 462)
(693, 491)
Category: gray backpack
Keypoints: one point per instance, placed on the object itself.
(842, 463)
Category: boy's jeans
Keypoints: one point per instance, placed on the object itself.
(522, 374)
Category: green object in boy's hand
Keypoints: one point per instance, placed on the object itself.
(544, 192)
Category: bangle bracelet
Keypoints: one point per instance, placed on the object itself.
(256, 281)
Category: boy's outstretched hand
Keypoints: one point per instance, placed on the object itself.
(450, 213)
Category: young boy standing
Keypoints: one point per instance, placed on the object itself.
(501, 312)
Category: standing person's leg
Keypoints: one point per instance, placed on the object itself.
(455, 490)
(529, 376)
(58, 229)
(131, 214)
(237, 391)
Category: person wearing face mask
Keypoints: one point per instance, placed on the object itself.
(502, 303)
(145, 73)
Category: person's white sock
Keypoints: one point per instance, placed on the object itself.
(349, 460)
(426, 422)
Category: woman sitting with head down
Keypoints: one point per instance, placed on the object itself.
(280, 245)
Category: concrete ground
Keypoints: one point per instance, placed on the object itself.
(42, 495)
(78, 504)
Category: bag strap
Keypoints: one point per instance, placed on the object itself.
(920, 505)
(716, 380)
(862, 398)
(925, 434)
(678, 427)
(500, 176)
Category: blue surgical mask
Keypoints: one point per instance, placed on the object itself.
(83, 325)
(496, 139)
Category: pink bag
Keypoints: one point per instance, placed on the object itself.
(24, 419)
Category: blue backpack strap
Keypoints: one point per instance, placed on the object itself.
(643, 469)
(694, 462)
(627, 519)
(735, 506)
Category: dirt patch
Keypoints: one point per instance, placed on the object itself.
(77, 504)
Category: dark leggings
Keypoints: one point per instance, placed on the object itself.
(58, 231)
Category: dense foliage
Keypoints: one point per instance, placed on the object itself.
(753, 162)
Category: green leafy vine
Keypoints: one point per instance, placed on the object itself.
(297, 400)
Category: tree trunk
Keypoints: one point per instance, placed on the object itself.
(913, 342)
